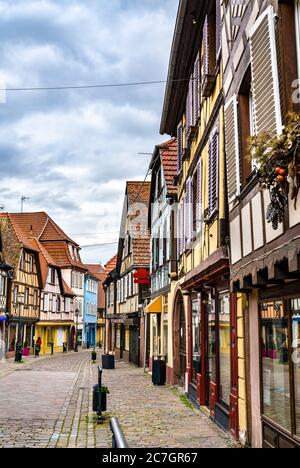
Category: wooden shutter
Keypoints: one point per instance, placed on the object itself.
(196, 92)
(232, 149)
(213, 173)
(179, 147)
(199, 210)
(206, 47)
(218, 28)
(190, 210)
(266, 93)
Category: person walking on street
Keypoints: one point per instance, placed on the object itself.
(38, 346)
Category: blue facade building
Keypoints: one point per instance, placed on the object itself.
(90, 311)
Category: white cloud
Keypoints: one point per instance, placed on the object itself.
(72, 152)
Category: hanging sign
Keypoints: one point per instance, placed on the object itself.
(141, 277)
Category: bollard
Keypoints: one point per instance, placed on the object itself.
(94, 356)
(52, 348)
(100, 417)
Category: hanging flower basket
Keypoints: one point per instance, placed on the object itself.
(278, 162)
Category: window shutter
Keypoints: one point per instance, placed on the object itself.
(232, 149)
(179, 148)
(218, 27)
(196, 92)
(178, 232)
(266, 93)
(213, 173)
(199, 197)
(189, 211)
(206, 47)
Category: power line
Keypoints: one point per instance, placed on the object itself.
(97, 86)
(98, 245)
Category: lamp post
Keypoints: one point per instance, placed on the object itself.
(77, 313)
(17, 305)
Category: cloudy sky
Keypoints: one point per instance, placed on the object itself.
(72, 151)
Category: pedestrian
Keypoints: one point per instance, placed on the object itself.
(38, 346)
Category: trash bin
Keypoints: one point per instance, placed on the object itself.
(108, 361)
(159, 372)
(103, 400)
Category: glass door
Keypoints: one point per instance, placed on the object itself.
(211, 347)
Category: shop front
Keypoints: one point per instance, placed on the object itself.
(212, 346)
(157, 310)
(54, 335)
(26, 334)
(279, 318)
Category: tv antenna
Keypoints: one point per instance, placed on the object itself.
(23, 200)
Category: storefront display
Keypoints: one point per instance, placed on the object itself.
(280, 345)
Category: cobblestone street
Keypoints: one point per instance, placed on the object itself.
(48, 403)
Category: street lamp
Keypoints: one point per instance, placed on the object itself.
(77, 313)
(19, 346)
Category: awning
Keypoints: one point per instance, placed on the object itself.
(155, 307)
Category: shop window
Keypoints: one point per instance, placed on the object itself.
(12, 337)
(295, 306)
(196, 333)
(275, 364)
(212, 341)
(127, 339)
(224, 349)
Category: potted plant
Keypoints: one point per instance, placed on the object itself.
(26, 349)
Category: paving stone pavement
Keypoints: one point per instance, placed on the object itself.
(48, 403)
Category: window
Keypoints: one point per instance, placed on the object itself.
(31, 263)
(196, 334)
(266, 93)
(23, 262)
(211, 48)
(224, 348)
(26, 298)
(158, 183)
(35, 298)
(15, 295)
(212, 340)
(179, 148)
(275, 364)
(53, 276)
(213, 173)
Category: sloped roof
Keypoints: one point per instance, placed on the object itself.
(168, 154)
(138, 192)
(111, 264)
(38, 225)
(59, 251)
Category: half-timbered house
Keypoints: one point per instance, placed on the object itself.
(261, 57)
(204, 353)
(162, 225)
(124, 295)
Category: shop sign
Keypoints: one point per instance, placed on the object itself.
(141, 277)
